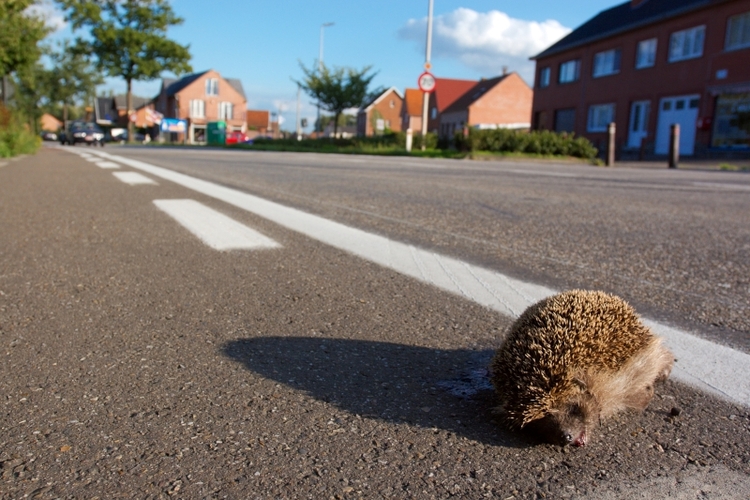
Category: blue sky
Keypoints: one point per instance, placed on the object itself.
(263, 42)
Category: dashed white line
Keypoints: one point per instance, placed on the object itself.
(133, 178)
(107, 164)
(712, 367)
(214, 228)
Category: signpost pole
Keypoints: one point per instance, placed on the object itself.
(426, 95)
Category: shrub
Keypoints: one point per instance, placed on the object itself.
(15, 136)
(541, 142)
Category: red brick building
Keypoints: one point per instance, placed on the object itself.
(447, 91)
(201, 98)
(646, 64)
(411, 115)
(501, 102)
(382, 114)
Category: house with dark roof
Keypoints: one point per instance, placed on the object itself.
(113, 110)
(201, 98)
(382, 113)
(500, 102)
(447, 91)
(646, 65)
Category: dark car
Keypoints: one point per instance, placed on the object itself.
(83, 132)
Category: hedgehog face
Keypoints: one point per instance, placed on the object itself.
(569, 423)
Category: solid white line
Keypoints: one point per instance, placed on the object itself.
(711, 367)
(213, 228)
(107, 164)
(133, 178)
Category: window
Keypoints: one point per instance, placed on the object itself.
(565, 120)
(544, 75)
(212, 86)
(738, 32)
(434, 113)
(600, 116)
(570, 71)
(645, 55)
(197, 108)
(686, 44)
(226, 111)
(606, 63)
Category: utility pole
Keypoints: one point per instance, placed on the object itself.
(427, 67)
(299, 132)
(320, 66)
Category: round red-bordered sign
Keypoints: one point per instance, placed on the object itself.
(426, 82)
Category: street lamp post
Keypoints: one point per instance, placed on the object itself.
(320, 63)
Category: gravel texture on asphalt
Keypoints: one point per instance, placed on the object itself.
(139, 363)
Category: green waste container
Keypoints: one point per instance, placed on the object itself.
(217, 132)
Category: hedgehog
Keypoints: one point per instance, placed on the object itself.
(573, 360)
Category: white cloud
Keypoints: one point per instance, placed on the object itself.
(486, 42)
(47, 10)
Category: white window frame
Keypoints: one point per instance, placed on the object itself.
(606, 63)
(645, 54)
(687, 44)
(600, 116)
(570, 71)
(226, 110)
(212, 86)
(739, 23)
(544, 77)
(197, 108)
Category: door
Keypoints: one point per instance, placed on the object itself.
(638, 129)
(682, 110)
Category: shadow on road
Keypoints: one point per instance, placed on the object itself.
(430, 388)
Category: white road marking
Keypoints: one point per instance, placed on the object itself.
(133, 178)
(712, 367)
(214, 228)
(92, 159)
(544, 174)
(107, 164)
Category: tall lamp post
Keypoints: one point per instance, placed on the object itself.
(320, 63)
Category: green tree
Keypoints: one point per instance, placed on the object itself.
(20, 34)
(129, 39)
(72, 78)
(32, 93)
(337, 89)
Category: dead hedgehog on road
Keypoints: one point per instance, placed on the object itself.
(574, 359)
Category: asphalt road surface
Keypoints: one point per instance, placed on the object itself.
(161, 341)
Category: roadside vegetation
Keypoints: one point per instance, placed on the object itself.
(478, 144)
(16, 138)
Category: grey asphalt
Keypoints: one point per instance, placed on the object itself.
(140, 363)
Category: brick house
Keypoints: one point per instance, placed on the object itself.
(381, 113)
(647, 64)
(447, 91)
(50, 123)
(201, 98)
(258, 123)
(411, 115)
(501, 102)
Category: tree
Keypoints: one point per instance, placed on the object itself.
(337, 89)
(20, 33)
(71, 78)
(128, 39)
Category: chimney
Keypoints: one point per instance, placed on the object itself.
(636, 3)
(505, 70)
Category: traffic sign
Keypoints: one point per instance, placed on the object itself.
(426, 82)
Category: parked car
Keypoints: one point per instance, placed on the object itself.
(48, 136)
(236, 138)
(84, 132)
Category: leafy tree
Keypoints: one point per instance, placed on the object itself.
(32, 93)
(20, 33)
(128, 39)
(72, 78)
(337, 89)
(345, 120)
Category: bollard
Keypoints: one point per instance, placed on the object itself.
(409, 139)
(674, 145)
(611, 144)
